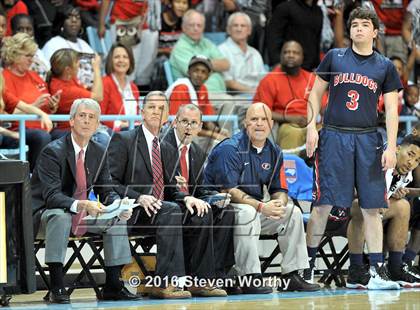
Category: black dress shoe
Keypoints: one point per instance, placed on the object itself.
(254, 284)
(59, 296)
(294, 282)
(122, 294)
(233, 290)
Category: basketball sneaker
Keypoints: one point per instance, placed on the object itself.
(404, 277)
(379, 279)
(358, 277)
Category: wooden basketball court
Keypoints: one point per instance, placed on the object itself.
(407, 299)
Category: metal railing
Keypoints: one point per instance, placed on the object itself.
(22, 118)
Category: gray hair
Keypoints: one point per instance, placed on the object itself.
(156, 93)
(191, 107)
(86, 102)
(232, 16)
(188, 15)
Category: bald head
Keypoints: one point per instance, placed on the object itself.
(258, 123)
(256, 107)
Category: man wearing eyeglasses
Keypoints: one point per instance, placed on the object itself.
(191, 161)
(144, 168)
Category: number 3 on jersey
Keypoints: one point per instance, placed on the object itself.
(353, 104)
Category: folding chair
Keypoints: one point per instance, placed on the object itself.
(299, 181)
(216, 37)
(76, 244)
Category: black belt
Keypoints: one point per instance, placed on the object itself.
(351, 129)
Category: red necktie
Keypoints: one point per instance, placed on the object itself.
(184, 167)
(78, 225)
(157, 171)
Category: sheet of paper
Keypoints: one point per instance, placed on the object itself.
(114, 209)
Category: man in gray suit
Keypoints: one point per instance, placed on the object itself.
(65, 172)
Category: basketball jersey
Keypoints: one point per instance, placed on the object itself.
(394, 182)
(355, 84)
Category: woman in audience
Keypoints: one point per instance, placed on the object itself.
(120, 95)
(8, 139)
(63, 78)
(26, 92)
(171, 25)
(24, 23)
(68, 38)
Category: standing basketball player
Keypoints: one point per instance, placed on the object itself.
(349, 149)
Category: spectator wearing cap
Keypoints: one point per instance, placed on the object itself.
(193, 90)
(191, 43)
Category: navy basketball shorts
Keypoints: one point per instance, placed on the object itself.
(346, 161)
(415, 214)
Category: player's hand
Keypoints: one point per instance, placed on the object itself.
(150, 204)
(389, 159)
(274, 210)
(125, 215)
(200, 205)
(312, 138)
(400, 193)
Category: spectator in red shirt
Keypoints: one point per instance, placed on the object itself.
(26, 92)
(120, 95)
(285, 91)
(192, 90)
(12, 8)
(63, 78)
(391, 13)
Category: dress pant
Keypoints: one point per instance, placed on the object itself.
(249, 225)
(223, 223)
(208, 243)
(166, 225)
(56, 227)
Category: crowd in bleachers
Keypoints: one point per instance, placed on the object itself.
(267, 53)
(250, 35)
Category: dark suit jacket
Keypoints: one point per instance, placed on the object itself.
(131, 169)
(54, 179)
(196, 161)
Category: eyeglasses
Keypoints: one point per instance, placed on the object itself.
(185, 123)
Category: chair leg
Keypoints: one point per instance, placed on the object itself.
(39, 268)
(267, 261)
(91, 280)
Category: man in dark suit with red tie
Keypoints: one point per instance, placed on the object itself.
(191, 158)
(144, 168)
(66, 170)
